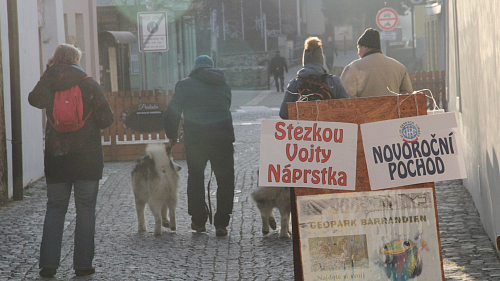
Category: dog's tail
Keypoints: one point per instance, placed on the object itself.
(158, 153)
(260, 195)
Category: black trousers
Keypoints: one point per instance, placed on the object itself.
(279, 79)
(221, 157)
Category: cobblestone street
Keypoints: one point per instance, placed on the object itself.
(245, 254)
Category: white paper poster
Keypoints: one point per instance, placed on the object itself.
(413, 150)
(308, 154)
(370, 236)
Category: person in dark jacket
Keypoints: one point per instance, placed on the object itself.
(204, 100)
(72, 159)
(312, 61)
(277, 67)
(330, 53)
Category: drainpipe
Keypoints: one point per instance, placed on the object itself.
(15, 92)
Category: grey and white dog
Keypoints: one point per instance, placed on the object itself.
(268, 198)
(155, 181)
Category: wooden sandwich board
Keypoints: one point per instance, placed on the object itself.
(359, 111)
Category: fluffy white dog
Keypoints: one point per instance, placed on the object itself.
(155, 181)
(268, 198)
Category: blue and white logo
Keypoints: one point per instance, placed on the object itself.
(409, 131)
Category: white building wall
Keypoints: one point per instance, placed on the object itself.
(314, 18)
(29, 63)
(52, 31)
(6, 89)
(81, 30)
(474, 92)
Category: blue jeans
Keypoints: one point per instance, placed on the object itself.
(58, 195)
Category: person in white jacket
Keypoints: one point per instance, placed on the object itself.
(374, 74)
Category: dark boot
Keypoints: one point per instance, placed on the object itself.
(198, 228)
(84, 272)
(48, 272)
(220, 231)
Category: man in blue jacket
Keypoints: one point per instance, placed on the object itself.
(204, 100)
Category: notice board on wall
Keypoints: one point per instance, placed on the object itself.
(331, 242)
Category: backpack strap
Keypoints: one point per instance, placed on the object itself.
(91, 109)
(323, 85)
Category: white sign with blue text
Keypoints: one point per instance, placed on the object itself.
(413, 150)
(308, 154)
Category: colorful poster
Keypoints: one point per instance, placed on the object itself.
(308, 154)
(413, 150)
(388, 235)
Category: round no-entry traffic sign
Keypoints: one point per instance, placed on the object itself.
(387, 19)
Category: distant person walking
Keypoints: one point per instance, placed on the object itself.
(312, 81)
(277, 67)
(73, 159)
(330, 53)
(204, 99)
(374, 74)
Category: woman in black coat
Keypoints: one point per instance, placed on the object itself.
(71, 159)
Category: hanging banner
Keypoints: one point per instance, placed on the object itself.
(413, 150)
(308, 154)
(375, 235)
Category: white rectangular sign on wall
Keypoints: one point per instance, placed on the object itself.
(152, 30)
(308, 154)
(413, 150)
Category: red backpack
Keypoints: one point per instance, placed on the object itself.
(68, 110)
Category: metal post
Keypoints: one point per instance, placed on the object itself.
(279, 8)
(3, 141)
(413, 31)
(15, 92)
(265, 32)
(122, 66)
(155, 74)
(298, 16)
(178, 49)
(261, 22)
(144, 72)
(242, 21)
(223, 24)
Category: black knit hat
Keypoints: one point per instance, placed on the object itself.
(313, 52)
(370, 39)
